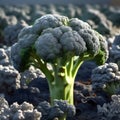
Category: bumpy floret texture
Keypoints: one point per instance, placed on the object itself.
(59, 109)
(59, 46)
(26, 39)
(49, 21)
(4, 59)
(102, 56)
(9, 79)
(110, 111)
(25, 111)
(28, 75)
(11, 32)
(52, 37)
(115, 51)
(105, 74)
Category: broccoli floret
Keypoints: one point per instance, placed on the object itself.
(106, 77)
(18, 112)
(12, 83)
(4, 58)
(48, 21)
(58, 110)
(11, 32)
(30, 74)
(110, 111)
(115, 51)
(64, 44)
(55, 48)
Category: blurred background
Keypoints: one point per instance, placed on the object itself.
(17, 2)
(102, 15)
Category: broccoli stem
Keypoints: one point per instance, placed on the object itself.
(76, 66)
(62, 87)
(61, 90)
(63, 117)
(64, 75)
(38, 63)
(60, 78)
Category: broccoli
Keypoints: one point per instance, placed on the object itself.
(24, 111)
(57, 111)
(114, 55)
(63, 44)
(107, 78)
(111, 110)
(12, 83)
(11, 32)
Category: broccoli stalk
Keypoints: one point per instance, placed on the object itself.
(60, 77)
(62, 43)
(62, 84)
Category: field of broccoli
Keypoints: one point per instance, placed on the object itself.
(59, 62)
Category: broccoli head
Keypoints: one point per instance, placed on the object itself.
(62, 43)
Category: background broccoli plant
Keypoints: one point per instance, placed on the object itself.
(62, 43)
(107, 78)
